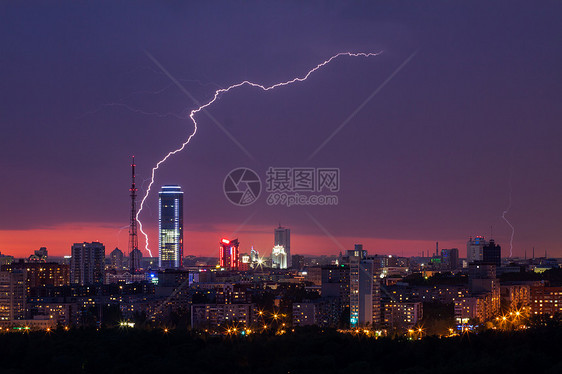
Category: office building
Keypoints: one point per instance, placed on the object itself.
(229, 254)
(475, 249)
(87, 263)
(491, 253)
(170, 227)
(283, 238)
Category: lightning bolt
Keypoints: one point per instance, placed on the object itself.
(219, 92)
(506, 220)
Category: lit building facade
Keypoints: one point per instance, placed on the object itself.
(170, 227)
(478, 308)
(515, 296)
(323, 312)
(223, 315)
(87, 263)
(40, 274)
(364, 290)
(229, 254)
(279, 257)
(13, 295)
(402, 315)
(283, 239)
(545, 300)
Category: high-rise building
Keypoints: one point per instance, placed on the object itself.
(492, 253)
(364, 289)
(13, 295)
(483, 302)
(279, 257)
(135, 260)
(335, 283)
(170, 217)
(229, 254)
(450, 258)
(283, 238)
(87, 263)
(116, 257)
(474, 249)
(254, 255)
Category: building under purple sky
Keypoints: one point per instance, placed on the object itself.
(456, 122)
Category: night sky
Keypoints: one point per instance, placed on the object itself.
(473, 116)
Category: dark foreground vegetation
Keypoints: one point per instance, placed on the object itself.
(305, 351)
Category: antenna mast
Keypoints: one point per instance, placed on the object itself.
(133, 237)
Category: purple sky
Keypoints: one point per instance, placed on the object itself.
(430, 157)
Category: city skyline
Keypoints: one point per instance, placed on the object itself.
(447, 130)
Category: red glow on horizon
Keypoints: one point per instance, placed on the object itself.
(59, 239)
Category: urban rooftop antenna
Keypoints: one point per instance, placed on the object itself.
(133, 237)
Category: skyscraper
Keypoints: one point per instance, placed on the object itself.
(492, 253)
(364, 289)
(283, 238)
(170, 228)
(87, 263)
(229, 254)
(474, 249)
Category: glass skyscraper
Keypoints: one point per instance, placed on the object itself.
(283, 239)
(170, 227)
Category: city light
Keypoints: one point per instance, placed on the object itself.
(341, 201)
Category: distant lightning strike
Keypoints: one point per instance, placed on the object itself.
(506, 220)
(215, 97)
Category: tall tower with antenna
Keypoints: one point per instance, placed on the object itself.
(134, 252)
